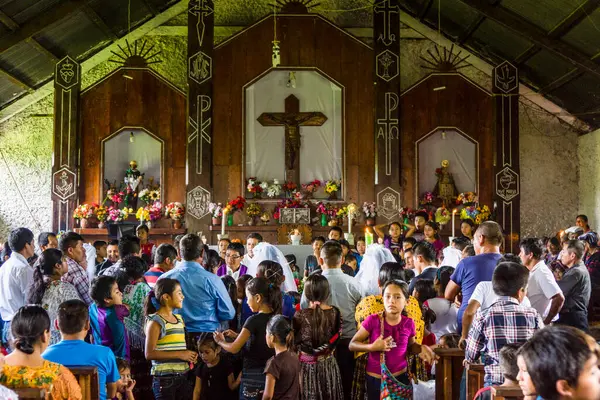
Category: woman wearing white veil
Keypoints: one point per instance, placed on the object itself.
(368, 276)
(265, 251)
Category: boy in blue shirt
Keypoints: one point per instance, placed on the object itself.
(74, 323)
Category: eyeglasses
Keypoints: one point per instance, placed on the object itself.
(232, 256)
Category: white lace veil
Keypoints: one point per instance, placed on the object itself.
(265, 251)
(368, 276)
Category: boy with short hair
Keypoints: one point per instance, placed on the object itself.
(510, 369)
(558, 363)
(335, 233)
(101, 251)
(506, 321)
(72, 350)
(233, 262)
(165, 258)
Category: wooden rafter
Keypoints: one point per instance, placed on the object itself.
(8, 21)
(99, 22)
(471, 29)
(574, 19)
(563, 80)
(44, 50)
(40, 22)
(527, 54)
(425, 9)
(153, 10)
(16, 80)
(534, 34)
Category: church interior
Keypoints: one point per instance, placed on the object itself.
(289, 117)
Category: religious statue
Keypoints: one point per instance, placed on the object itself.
(445, 189)
(133, 179)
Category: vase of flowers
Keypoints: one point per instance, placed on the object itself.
(83, 213)
(274, 189)
(289, 189)
(331, 188)
(175, 211)
(254, 188)
(370, 212)
(216, 212)
(322, 211)
(253, 210)
(310, 188)
(101, 215)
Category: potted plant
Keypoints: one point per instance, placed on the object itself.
(370, 212)
(83, 213)
(331, 188)
(253, 210)
(216, 212)
(101, 215)
(253, 186)
(310, 188)
(322, 212)
(175, 211)
(234, 205)
(290, 189)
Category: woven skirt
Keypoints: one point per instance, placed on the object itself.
(252, 386)
(359, 383)
(321, 379)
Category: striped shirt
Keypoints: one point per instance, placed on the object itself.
(152, 276)
(172, 338)
(506, 321)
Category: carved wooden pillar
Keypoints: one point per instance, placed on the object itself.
(199, 144)
(386, 28)
(65, 175)
(507, 199)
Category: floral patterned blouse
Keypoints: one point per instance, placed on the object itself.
(134, 297)
(58, 381)
(56, 293)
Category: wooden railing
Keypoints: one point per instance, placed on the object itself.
(448, 373)
(30, 393)
(475, 375)
(88, 381)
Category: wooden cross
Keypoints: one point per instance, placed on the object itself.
(292, 119)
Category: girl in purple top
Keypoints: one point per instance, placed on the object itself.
(397, 339)
(393, 240)
(431, 236)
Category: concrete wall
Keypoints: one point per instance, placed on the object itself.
(589, 177)
(549, 164)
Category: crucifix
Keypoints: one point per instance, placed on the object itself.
(292, 119)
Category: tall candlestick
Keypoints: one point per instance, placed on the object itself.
(454, 223)
(349, 223)
(223, 222)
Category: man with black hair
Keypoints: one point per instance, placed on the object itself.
(576, 286)
(101, 251)
(424, 261)
(252, 241)
(112, 256)
(72, 350)
(15, 277)
(71, 244)
(542, 289)
(311, 263)
(165, 258)
(47, 240)
(233, 262)
(345, 294)
(128, 246)
(506, 321)
(207, 303)
(559, 363)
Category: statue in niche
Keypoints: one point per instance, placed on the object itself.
(133, 180)
(445, 189)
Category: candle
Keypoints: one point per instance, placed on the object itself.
(349, 222)
(368, 238)
(454, 223)
(223, 222)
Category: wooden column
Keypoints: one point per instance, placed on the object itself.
(386, 28)
(65, 172)
(199, 143)
(507, 200)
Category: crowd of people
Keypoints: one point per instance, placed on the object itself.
(183, 321)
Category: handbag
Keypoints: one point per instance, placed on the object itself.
(392, 388)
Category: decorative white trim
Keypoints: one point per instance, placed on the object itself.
(66, 73)
(200, 126)
(67, 187)
(388, 36)
(388, 203)
(388, 65)
(387, 128)
(197, 202)
(507, 184)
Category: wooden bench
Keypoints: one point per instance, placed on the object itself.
(30, 393)
(508, 393)
(475, 376)
(448, 373)
(88, 381)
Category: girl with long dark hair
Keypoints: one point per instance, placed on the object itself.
(47, 288)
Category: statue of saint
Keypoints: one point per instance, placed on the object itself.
(445, 189)
(133, 179)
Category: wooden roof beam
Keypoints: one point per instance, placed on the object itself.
(8, 21)
(572, 20)
(99, 22)
(535, 34)
(16, 80)
(425, 9)
(471, 30)
(40, 22)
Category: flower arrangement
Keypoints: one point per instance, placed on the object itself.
(427, 198)
(476, 214)
(469, 213)
(155, 210)
(442, 215)
(321, 208)
(407, 213)
(342, 212)
(149, 196)
(175, 211)
(289, 187)
(234, 205)
(287, 203)
(466, 198)
(253, 186)
(115, 196)
(215, 210)
(101, 213)
(332, 186)
(85, 211)
(116, 215)
(311, 187)
(274, 189)
(369, 209)
(253, 210)
(142, 214)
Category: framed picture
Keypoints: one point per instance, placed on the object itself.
(300, 216)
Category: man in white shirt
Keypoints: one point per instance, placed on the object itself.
(542, 289)
(15, 277)
(252, 241)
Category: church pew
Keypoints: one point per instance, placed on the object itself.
(88, 381)
(508, 393)
(448, 373)
(475, 376)
(30, 393)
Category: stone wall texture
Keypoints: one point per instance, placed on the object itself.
(589, 173)
(549, 154)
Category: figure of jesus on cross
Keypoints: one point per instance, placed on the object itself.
(292, 119)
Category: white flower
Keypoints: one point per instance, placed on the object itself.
(264, 185)
(275, 182)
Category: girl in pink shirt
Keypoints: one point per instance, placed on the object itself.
(397, 339)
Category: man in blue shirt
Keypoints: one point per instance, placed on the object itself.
(207, 302)
(472, 270)
(71, 351)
